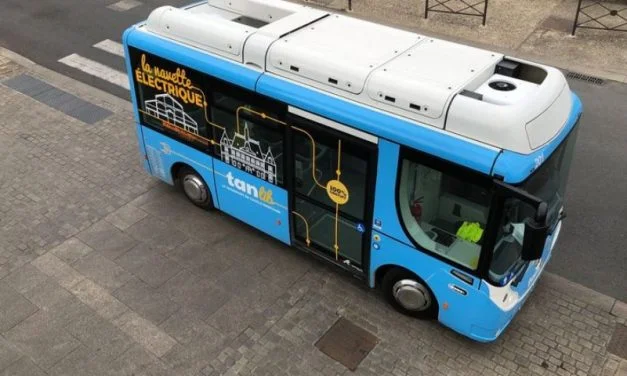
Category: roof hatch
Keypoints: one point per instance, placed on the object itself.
(423, 79)
(316, 53)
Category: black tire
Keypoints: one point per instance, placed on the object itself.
(187, 178)
(403, 278)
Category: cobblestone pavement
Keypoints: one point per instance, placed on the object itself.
(106, 271)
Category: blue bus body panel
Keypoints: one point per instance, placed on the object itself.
(163, 152)
(394, 248)
(473, 314)
(201, 61)
(517, 167)
(129, 70)
(253, 200)
(385, 218)
(273, 218)
(138, 127)
(142, 148)
(445, 146)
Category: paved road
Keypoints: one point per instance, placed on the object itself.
(46, 31)
(590, 251)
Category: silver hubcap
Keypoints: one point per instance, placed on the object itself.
(412, 295)
(194, 188)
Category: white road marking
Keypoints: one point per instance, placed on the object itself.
(94, 68)
(124, 5)
(111, 47)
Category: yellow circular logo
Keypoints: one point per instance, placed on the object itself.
(337, 192)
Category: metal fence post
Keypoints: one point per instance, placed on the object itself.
(576, 18)
(615, 10)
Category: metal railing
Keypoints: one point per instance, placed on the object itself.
(601, 15)
(464, 7)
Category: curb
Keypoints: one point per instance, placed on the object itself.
(89, 93)
(604, 302)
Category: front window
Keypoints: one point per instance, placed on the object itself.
(443, 213)
(548, 183)
(506, 259)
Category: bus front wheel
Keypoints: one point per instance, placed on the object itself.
(409, 295)
(194, 188)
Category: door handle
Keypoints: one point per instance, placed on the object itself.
(457, 289)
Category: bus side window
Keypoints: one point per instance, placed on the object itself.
(173, 110)
(442, 213)
(247, 137)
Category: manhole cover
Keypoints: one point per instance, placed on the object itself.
(347, 343)
(618, 343)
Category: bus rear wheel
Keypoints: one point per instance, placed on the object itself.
(194, 188)
(409, 295)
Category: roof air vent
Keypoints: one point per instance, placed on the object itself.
(502, 86)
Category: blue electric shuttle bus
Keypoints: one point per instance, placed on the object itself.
(432, 170)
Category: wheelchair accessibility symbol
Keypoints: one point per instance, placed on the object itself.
(361, 228)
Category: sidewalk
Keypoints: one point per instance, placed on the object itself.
(533, 30)
(104, 270)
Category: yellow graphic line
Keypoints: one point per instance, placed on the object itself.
(260, 114)
(205, 104)
(306, 227)
(181, 129)
(337, 206)
(335, 246)
(313, 156)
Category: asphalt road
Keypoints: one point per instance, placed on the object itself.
(47, 30)
(590, 251)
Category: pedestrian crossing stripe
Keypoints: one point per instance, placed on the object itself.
(111, 47)
(96, 69)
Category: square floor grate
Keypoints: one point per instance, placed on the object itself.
(618, 343)
(347, 343)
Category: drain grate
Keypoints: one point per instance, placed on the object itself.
(584, 77)
(347, 343)
(618, 343)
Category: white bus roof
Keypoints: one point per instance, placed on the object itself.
(432, 82)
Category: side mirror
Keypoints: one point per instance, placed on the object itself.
(536, 232)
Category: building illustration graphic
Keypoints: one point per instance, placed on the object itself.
(246, 154)
(165, 107)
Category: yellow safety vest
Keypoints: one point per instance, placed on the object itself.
(470, 231)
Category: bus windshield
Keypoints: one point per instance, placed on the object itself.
(547, 183)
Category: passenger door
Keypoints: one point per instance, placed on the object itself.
(333, 174)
